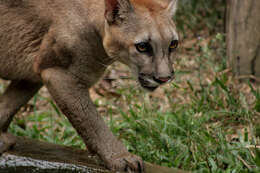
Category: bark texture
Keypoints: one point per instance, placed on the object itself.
(243, 37)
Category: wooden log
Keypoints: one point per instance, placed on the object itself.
(243, 37)
(29, 155)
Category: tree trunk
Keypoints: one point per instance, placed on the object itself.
(243, 37)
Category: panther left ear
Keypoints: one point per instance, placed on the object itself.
(117, 10)
(172, 7)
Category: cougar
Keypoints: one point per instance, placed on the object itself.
(67, 45)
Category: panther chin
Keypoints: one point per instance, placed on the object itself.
(150, 89)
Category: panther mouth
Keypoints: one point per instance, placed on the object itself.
(148, 84)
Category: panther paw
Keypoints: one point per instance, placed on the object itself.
(126, 162)
(6, 142)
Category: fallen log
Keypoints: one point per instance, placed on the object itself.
(29, 155)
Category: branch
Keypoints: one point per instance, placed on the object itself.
(29, 155)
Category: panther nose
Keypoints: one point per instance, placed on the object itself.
(162, 80)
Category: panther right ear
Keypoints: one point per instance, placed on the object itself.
(172, 7)
(117, 10)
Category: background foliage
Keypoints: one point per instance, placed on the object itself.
(197, 15)
(205, 121)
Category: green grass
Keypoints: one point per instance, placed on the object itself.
(49, 126)
(207, 121)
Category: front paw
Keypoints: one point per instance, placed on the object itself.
(125, 162)
(6, 142)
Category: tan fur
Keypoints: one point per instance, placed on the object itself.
(66, 45)
(154, 6)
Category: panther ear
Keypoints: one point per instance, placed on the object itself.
(117, 10)
(172, 7)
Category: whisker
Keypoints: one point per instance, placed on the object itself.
(107, 65)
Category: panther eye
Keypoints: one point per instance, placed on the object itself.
(174, 45)
(143, 47)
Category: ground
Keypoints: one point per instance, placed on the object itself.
(206, 120)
